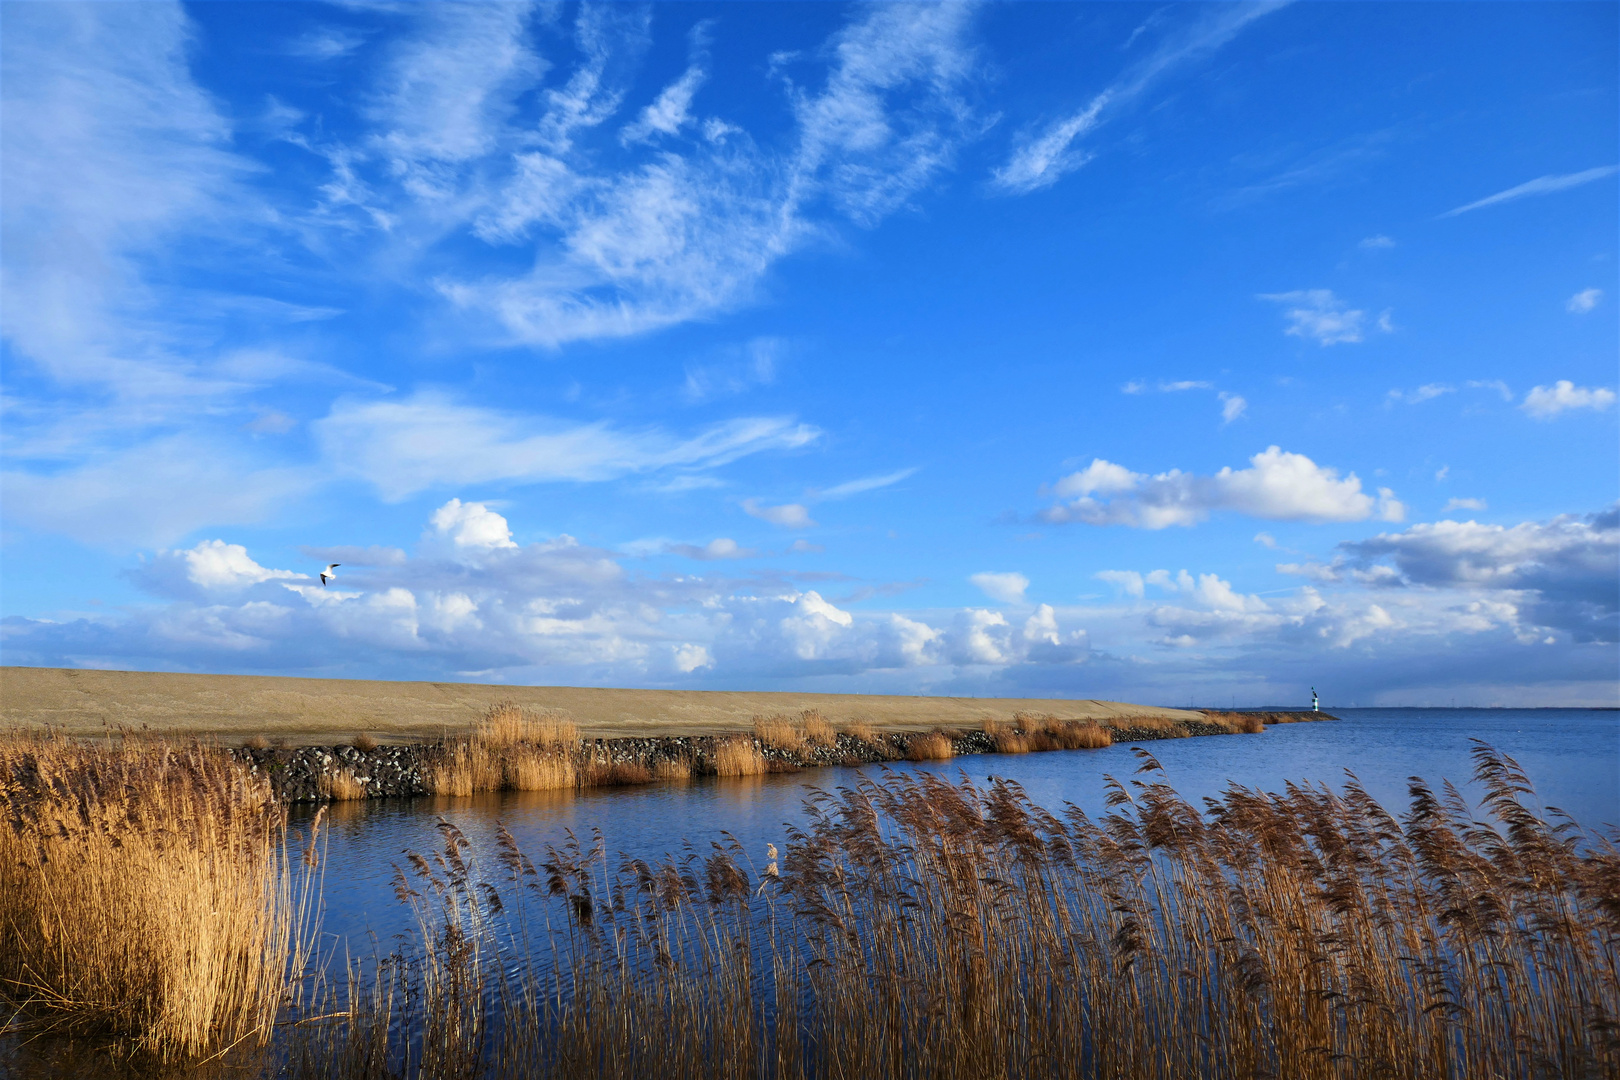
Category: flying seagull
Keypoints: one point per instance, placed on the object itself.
(327, 575)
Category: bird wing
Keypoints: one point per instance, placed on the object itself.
(323, 579)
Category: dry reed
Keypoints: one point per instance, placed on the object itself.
(529, 768)
(817, 730)
(738, 757)
(147, 896)
(465, 768)
(779, 733)
(341, 785)
(672, 768)
(1010, 742)
(364, 742)
(931, 746)
(1083, 735)
(862, 729)
(507, 724)
(918, 927)
(257, 742)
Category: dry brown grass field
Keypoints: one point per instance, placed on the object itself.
(238, 709)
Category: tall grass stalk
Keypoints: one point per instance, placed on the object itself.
(147, 897)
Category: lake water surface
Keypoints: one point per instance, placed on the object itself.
(1572, 756)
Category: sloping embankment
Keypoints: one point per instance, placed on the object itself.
(232, 709)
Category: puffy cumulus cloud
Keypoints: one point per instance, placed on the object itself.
(472, 601)
(1562, 574)
(690, 658)
(471, 526)
(1008, 587)
(1278, 486)
(212, 566)
(1546, 402)
(562, 612)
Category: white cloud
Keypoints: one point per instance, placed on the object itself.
(864, 484)
(670, 111)
(787, 516)
(1567, 563)
(1426, 392)
(814, 625)
(431, 440)
(214, 564)
(719, 548)
(1232, 406)
(1546, 402)
(1463, 504)
(754, 364)
(327, 43)
(152, 494)
(1320, 316)
(210, 568)
(1041, 158)
(113, 159)
(448, 90)
(690, 658)
(1008, 588)
(1542, 185)
(689, 232)
(1584, 301)
(1498, 385)
(1278, 486)
(472, 525)
(1126, 581)
(1436, 604)
(1379, 242)
(1265, 539)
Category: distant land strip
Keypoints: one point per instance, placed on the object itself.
(232, 709)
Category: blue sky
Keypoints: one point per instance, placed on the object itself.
(1155, 352)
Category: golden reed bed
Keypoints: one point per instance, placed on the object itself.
(913, 927)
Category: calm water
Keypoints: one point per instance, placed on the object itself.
(1572, 756)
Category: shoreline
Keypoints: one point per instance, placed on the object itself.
(316, 773)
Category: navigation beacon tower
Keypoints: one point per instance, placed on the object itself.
(1316, 702)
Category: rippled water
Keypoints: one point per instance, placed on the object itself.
(1572, 755)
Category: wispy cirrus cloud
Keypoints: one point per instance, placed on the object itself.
(1584, 302)
(1233, 406)
(691, 229)
(1541, 185)
(1043, 157)
(431, 440)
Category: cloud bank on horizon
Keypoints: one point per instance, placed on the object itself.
(718, 346)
